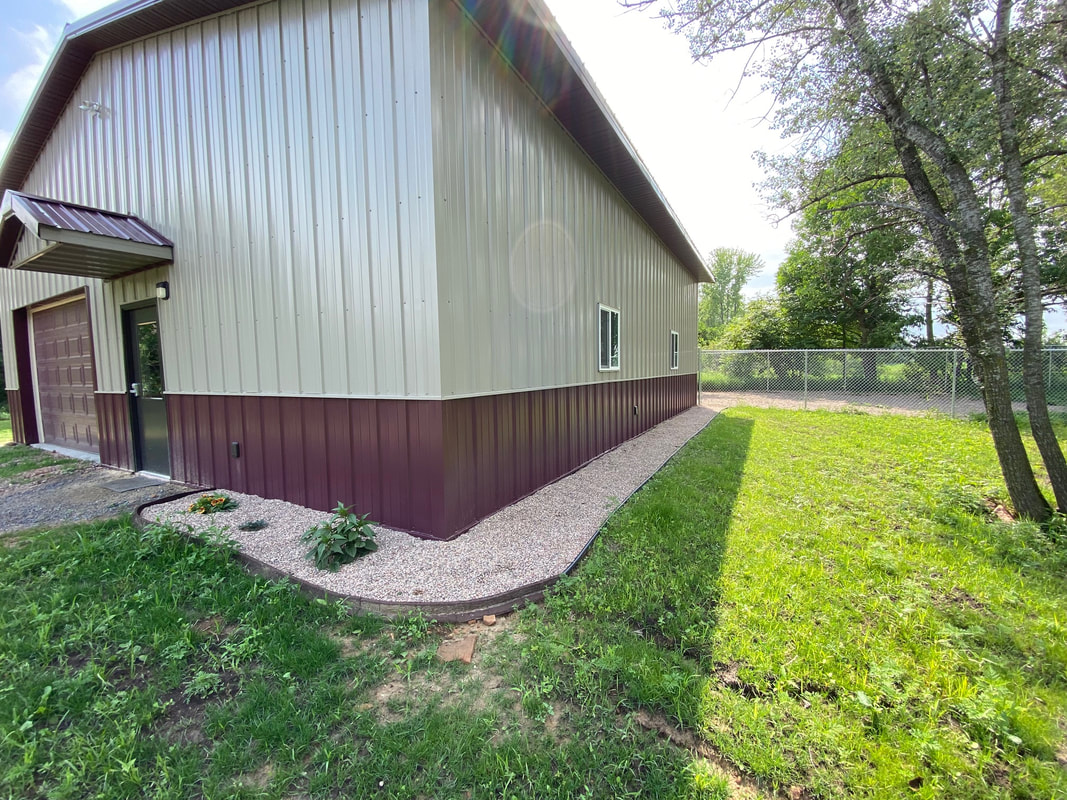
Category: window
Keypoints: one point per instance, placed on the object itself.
(609, 338)
(674, 349)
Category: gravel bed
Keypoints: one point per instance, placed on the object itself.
(532, 540)
(68, 493)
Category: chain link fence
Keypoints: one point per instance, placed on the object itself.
(899, 380)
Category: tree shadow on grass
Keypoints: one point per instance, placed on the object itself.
(637, 619)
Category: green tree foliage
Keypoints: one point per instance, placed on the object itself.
(722, 300)
(761, 325)
(956, 103)
(846, 277)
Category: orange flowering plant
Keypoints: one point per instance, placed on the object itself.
(212, 503)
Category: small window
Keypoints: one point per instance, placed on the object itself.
(609, 338)
(674, 349)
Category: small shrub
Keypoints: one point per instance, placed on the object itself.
(253, 525)
(212, 503)
(341, 539)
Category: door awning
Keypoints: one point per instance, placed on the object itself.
(45, 235)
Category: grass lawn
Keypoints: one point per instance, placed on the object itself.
(5, 428)
(801, 604)
(18, 459)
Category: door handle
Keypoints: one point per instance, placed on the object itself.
(135, 389)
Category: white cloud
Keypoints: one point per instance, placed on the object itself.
(5, 140)
(80, 8)
(17, 86)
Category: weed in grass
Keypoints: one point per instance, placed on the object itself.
(412, 628)
(203, 684)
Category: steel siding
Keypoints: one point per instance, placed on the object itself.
(531, 236)
(255, 148)
(394, 461)
(367, 493)
(316, 472)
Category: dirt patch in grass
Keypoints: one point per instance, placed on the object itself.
(741, 786)
(473, 687)
(257, 779)
(354, 646)
(215, 626)
(41, 474)
(961, 598)
(183, 722)
(997, 510)
(12, 540)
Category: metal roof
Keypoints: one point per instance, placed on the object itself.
(77, 240)
(524, 32)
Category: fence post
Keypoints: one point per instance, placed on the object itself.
(768, 372)
(955, 362)
(805, 380)
(1048, 386)
(700, 372)
(844, 372)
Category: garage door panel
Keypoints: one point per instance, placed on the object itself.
(63, 353)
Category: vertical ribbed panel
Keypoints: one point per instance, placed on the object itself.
(18, 420)
(431, 467)
(382, 457)
(531, 237)
(113, 417)
(286, 150)
(499, 448)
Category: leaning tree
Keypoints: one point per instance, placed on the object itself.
(962, 103)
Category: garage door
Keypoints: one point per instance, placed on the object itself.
(62, 349)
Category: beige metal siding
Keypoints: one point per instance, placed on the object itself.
(531, 237)
(285, 148)
(18, 289)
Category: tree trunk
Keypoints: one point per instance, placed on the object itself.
(1029, 261)
(930, 312)
(966, 260)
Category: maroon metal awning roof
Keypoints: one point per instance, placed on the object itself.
(524, 32)
(44, 235)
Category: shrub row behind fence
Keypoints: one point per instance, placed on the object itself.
(945, 380)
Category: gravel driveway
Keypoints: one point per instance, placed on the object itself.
(73, 491)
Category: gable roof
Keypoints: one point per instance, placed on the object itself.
(524, 32)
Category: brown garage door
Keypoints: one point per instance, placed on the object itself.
(62, 348)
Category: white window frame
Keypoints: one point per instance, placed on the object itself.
(600, 309)
(674, 349)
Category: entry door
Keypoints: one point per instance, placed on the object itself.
(148, 410)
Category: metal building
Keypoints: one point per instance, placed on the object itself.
(396, 253)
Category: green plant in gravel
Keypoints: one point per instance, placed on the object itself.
(827, 601)
(341, 539)
(212, 504)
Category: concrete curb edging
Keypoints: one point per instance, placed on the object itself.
(454, 611)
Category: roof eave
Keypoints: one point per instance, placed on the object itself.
(606, 145)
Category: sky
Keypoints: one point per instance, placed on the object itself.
(695, 125)
(696, 143)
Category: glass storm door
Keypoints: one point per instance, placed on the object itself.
(148, 410)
